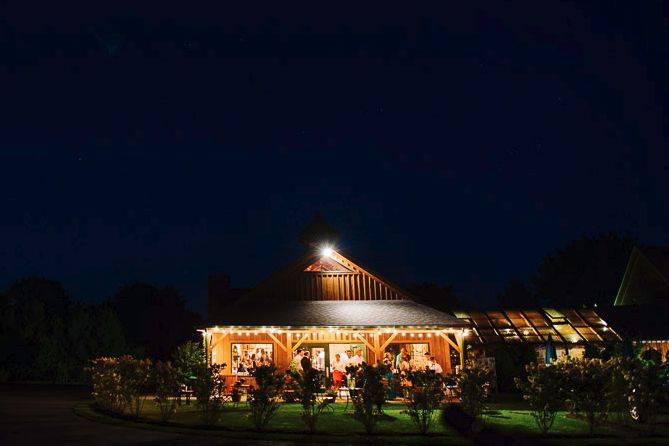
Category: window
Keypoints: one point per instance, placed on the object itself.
(248, 356)
(416, 351)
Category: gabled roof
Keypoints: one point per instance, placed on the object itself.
(354, 313)
(307, 278)
(646, 278)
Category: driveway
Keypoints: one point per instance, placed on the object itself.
(42, 415)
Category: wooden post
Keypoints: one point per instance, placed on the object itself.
(377, 348)
(460, 339)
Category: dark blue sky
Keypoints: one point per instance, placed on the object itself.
(456, 146)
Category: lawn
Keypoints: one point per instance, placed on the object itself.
(338, 424)
(509, 417)
(507, 421)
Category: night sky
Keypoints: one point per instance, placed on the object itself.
(456, 146)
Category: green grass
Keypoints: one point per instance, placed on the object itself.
(517, 423)
(333, 427)
(507, 419)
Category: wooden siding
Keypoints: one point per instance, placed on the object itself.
(332, 286)
(351, 283)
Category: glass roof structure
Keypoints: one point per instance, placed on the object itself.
(572, 326)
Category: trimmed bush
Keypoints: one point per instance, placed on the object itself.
(368, 402)
(645, 392)
(135, 380)
(310, 383)
(544, 392)
(208, 389)
(166, 379)
(106, 382)
(425, 396)
(264, 399)
(120, 384)
(617, 394)
(473, 386)
(587, 381)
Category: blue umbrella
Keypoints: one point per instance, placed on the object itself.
(551, 354)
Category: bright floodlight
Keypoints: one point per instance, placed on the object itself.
(326, 251)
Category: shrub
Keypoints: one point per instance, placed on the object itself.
(652, 355)
(543, 390)
(425, 397)
(106, 382)
(368, 402)
(264, 399)
(208, 389)
(310, 383)
(618, 387)
(120, 384)
(473, 387)
(166, 379)
(135, 379)
(290, 387)
(587, 381)
(645, 391)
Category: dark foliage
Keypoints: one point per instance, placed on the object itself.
(436, 296)
(166, 381)
(155, 318)
(425, 396)
(46, 336)
(264, 399)
(209, 390)
(511, 361)
(187, 358)
(652, 355)
(516, 295)
(368, 402)
(310, 383)
(585, 272)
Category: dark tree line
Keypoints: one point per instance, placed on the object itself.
(587, 271)
(45, 335)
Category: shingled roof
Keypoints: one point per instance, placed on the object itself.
(354, 313)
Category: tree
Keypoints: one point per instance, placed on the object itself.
(516, 295)
(46, 336)
(586, 272)
(186, 359)
(435, 296)
(154, 318)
